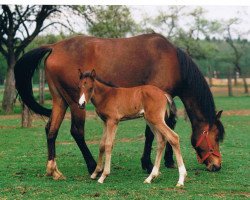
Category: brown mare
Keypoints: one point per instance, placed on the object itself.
(146, 59)
(117, 104)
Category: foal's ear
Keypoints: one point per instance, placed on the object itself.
(218, 115)
(80, 73)
(93, 73)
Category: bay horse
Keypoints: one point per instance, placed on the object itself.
(118, 104)
(126, 62)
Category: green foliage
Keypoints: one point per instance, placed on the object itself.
(111, 22)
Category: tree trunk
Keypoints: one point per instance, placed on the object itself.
(230, 91)
(26, 117)
(245, 85)
(41, 86)
(9, 89)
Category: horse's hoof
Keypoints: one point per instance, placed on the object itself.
(147, 165)
(100, 181)
(169, 164)
(147, 181)
(59, 177)
(93, 176)
(179, 185)
(91, 167)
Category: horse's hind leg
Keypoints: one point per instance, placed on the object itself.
(77, 131)
(168, 157)
(58, 112)
(146, 156)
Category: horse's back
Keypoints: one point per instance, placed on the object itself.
(126, 62)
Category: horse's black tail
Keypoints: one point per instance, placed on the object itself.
(24, 70)
(171, 120)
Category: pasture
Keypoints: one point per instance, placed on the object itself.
(23, 156)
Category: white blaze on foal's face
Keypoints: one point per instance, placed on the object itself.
(82, 99)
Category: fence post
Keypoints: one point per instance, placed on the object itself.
(229, 78)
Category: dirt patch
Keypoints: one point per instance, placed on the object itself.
(123, 140)
(223, 195)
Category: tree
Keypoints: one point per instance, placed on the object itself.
(19, 25)
(168, 21)
(111, 21)
(238, 45)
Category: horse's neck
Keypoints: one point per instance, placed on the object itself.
(100, 92)
(193, 111)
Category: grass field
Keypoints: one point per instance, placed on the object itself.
(23, 156)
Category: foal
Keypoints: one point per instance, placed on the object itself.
(116, 104)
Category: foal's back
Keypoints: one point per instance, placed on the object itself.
(132, 102)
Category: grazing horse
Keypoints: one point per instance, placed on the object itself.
(126, 62)
(117, 104)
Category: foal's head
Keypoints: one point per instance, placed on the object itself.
(86, 87)
(206, 140)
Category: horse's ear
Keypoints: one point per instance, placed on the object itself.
(218, 115)
(93, 73)
(80, 73)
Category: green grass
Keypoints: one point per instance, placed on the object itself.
(23, 156)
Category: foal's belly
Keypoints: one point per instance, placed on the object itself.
(135, 115)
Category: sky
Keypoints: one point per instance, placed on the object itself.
(216, 9)
(218, 12)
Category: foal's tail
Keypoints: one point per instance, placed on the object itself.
(171, 120)
(24, 70)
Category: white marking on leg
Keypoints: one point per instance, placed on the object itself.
(154, 173)
(82, 100)
(182, 175)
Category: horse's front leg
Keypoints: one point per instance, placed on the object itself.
(77, 131)
(52, 127)
(110, 136)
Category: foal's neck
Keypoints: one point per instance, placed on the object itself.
(100, 92)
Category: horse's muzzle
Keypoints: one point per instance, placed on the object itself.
(82, 106)
(213, 168)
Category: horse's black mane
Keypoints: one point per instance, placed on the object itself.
(195, 82)
(88, 74)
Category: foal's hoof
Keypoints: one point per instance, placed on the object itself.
(179, 185)
(57, 176)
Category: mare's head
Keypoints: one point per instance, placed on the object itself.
(86, 87)
(205, 141)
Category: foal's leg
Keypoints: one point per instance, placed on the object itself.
(110, 136)
(77, 131)
(146, 162)
(160, 147)
(173, 140)
(99, 165)
(168, 157)
(52, 127)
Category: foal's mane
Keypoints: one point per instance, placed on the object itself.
(88, 74)
(195, 83)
